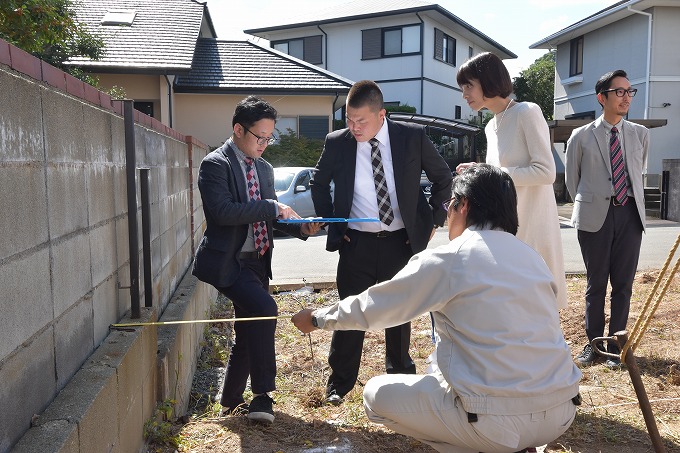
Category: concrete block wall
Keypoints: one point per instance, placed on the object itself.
(64, 250)
(672, 166)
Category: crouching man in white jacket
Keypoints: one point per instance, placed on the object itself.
(506, 379)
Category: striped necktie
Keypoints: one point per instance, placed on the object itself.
(618, 169)
(259, 228)
(382, 195)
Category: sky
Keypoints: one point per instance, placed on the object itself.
(515, 24)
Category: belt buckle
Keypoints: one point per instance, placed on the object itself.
(382, 234)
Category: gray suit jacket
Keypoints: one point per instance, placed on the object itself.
(589, 176)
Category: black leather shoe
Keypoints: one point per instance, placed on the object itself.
(334, 399)
(587, 356)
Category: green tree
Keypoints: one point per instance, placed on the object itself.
(292, 151)
(537, 84)
(49, 30)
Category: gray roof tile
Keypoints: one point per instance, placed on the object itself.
(238, 66)
(161, 38)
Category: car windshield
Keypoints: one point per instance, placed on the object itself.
(282, 180)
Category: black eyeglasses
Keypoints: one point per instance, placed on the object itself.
(620, 92)
(446, 203)
(261, 140)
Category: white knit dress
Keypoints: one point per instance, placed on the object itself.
(521, 147)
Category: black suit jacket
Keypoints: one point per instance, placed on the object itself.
(412, 152)
(229, 213)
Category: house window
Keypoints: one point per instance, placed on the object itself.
(313, 126)
(444, 47)
(307, 49)
(458, 113)
(390, 42)
(576, 56)
(286, 125)
(471, 52)
(144, 107)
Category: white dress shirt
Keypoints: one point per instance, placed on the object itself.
(365, 202)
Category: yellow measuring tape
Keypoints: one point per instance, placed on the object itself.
(196, 321)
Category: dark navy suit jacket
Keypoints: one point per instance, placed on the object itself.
(412, 152)
(229, 213)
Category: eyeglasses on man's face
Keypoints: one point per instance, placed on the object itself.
(620, 92)
(261, 140)
(447, 203)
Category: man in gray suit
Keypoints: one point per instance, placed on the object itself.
(604, 167)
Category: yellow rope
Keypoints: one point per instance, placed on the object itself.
(196, 321)
(651, 304)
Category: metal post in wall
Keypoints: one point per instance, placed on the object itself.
(130, 170)
(146, 235)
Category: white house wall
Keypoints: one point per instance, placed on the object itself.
(399, 77)
(623, 45)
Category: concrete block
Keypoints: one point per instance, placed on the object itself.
(73, 339)
(100, 193)
(103, 250)
(122, 244)
(28, 382)
(70, 272)
(26, 300)
(20, 120)
(117, 139)
(64, 133)
(24, 205)
(67, 198)
(104, 307)
(97, 124)
(54, 436)
(119, 190)
(155, 149)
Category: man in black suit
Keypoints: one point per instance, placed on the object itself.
(376, 166)
(241, 211)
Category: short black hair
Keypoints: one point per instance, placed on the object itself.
(365, 92)
(251, 110)
(491, 196)
(605, 82)
(491, 73)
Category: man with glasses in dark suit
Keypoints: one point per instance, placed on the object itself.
(605, 163)
(235, 254)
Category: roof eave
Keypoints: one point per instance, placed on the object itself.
(567, 33)
(260, 32)
(131, 69)
(262, 90)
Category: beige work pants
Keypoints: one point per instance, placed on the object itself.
(425, 407)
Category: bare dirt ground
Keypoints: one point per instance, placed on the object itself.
(608, 421)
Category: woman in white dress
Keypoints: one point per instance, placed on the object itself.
(518, 141)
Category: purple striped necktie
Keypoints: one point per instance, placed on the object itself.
(259, 228)
(618, 169)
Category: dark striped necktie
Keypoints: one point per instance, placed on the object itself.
(382, 195)
(618, 169)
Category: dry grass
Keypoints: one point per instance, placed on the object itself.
(609, 421)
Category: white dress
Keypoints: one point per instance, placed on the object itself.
(521, 147)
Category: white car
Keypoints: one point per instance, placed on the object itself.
(292, 188)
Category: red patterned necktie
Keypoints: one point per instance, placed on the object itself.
(259, 228)
(382, 195)
(618, 169)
